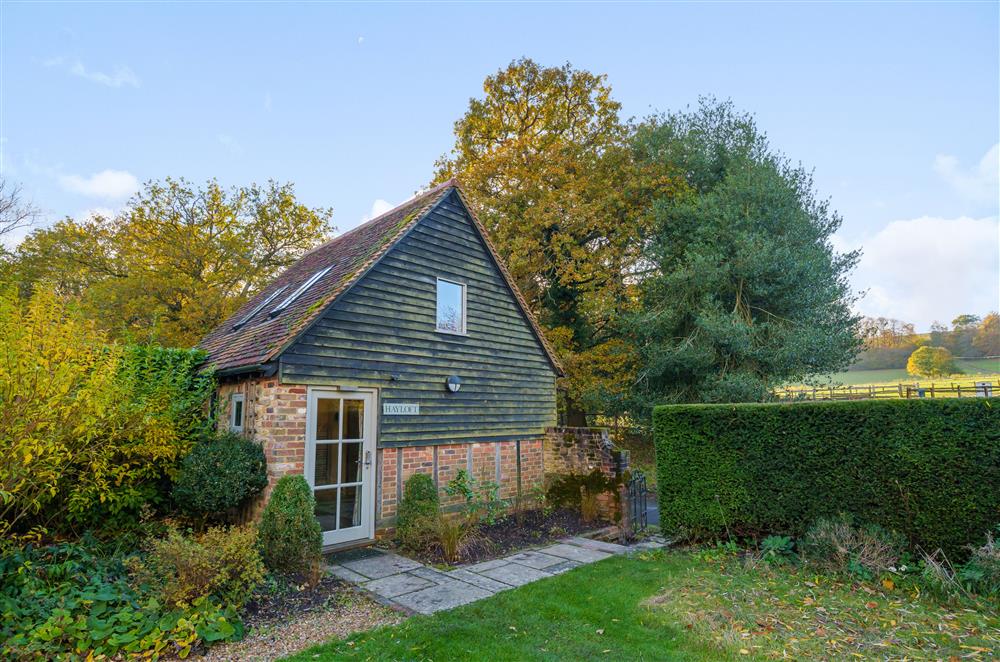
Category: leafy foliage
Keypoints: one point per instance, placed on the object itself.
(67, 601)
(219, 474)
(545, 160)
(222, 562)
(746, 290)
(290, 537)
(482, 498)
(778, 467)
(177, 260)
(929, 361)
(88, 430)
(418, 512)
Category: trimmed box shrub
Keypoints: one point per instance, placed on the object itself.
(220, 474)
(929, 469)
(416, 524)
(290, 538)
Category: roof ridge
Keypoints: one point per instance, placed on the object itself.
(434, 189)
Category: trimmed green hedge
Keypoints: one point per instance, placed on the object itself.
(929, 469)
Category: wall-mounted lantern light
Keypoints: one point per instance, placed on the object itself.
(454, 383)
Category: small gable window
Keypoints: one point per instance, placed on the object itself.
(236, 413)
(450, 307)
(297, 293)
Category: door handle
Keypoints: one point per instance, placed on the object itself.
(368, 459)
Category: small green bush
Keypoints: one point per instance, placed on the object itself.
(222, 563)
(220, 474)
(290, 537)
(417, 522)
(927, 468)
(981, 573)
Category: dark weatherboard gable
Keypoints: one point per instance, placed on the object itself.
(381, 333)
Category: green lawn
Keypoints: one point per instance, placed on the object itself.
(685, 606)
(973, 369)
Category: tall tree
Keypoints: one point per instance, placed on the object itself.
(177, 260)
(987, 340)
(747, 291)
(545, 159)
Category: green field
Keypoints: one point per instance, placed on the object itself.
(974, 370)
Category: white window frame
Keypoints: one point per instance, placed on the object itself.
(237, 425)
(465, 308)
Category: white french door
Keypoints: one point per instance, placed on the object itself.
(340, 462)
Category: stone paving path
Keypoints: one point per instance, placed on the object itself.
(409, 584)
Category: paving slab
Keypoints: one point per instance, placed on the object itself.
(377, 567)
(486, 565)
(444, 596)
(599, 545)
(395, 585)
(563, 567)
(574, 553)
(515, 574)
(433, 574)
(480, 581)
(647, 544)
(536, 560)
(345, 574)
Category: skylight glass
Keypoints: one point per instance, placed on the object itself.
(259, 307)
(297, 293)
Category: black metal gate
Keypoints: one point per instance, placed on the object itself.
(633, 500)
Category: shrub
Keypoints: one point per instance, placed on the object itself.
(68, 600)
(776, 549)
(222, 563)
(482, 498)
(836, 544)
(89, 444)
(418, 513)
(290, 537)
(981, 573)
(929, 469)
(220, 474)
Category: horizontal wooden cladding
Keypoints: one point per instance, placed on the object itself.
(382, 333)
(436, 442)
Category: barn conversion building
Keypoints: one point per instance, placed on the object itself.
(401, 346)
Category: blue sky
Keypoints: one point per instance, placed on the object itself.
(895, 106)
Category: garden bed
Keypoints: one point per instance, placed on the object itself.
(284, 618)
(515, 532)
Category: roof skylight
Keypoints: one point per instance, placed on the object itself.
(297, 293)
(259, 307)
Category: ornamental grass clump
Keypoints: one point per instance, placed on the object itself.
(290, 537)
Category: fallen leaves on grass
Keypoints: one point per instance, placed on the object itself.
(779, 612)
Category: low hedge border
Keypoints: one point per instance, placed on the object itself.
(929, 469)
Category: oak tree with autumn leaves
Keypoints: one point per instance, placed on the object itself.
(546, 160)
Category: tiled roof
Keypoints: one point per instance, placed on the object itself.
(349, 256)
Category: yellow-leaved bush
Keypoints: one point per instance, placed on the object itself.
(87, 428)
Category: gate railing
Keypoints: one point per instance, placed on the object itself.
(632, 496)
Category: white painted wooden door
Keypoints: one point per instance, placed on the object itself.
(340, 463)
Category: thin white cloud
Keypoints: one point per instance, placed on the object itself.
(928, 269)
(979, 183)
(119, 77)
(379, 207)
(361, 40)
(107, 184)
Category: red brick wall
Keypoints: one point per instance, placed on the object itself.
(276, 417)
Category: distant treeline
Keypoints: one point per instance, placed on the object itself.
(888, 343)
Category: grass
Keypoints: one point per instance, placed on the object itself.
(973, 369)
(685, 606)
